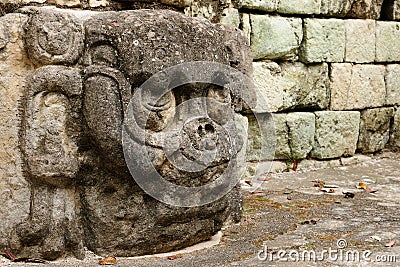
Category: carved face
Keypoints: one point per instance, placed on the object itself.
(186, 126)
(115, 100)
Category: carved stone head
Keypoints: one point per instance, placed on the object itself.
(121, 104)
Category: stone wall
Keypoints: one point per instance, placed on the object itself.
(329, 71)
(327, 68)
(327, 63)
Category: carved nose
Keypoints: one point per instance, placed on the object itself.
(208, 128)
(207, 138)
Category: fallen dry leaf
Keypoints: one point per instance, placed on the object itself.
(108, 261)
(311, 221)
(249, 182)
(30, 260)
(331, 186)
(348, 195)
(377, 238)
(314, 220)
(174, 257)
(361, 185)
(295, 165)
(328, 191)
(370, 190)
(391, 243)
(9, 255)
(319, 183)
(364, 186)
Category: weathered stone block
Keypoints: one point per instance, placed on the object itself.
(301, 127)
(336, 134)
(67, 3)
(268, 137)
(242, 126)
(324, 40)
(395, 130)
(299, 6)
(230, 17)
(264, 5)
(360, 41)
(387, 41)
(14, 65)
(305, 86)
(392, 80)
(291, 86)
(179, 3)
(246, 25)
(68, 119)
(336, 8)
(254, 141)
(357, 86)
(275, 37)
(99, 3)
(365, 9)
(374, 129)
(203, 9)
(282, 148)
(267, 77)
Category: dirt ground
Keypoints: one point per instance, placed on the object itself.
(302, 218)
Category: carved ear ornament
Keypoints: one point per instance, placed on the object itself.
(51, 126)
(53, 38)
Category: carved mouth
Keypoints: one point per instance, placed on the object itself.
(155, 107)
(192, 179)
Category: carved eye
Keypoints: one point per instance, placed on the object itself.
(220, 94)
(159, 112)
(155, 105)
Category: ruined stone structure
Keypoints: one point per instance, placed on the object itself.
(65, 182)
(328, 70)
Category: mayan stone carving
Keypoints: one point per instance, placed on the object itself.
(87, 68)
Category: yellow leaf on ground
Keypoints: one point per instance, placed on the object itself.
(362, 185)
(108, 261)
(391, 243)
